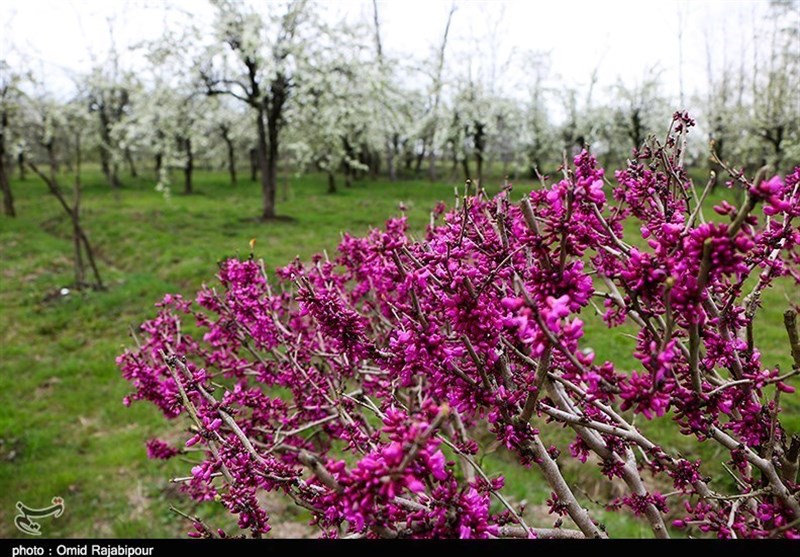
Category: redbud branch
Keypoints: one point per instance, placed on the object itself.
(470, 288)
(563, 243)
(508, 531)
(421, 440)
(501, 222)
(493, 273)
(499, 496)
(625, 248)
(790, 322)
(581, 394)
(477, 361)
(766, 467)
(583, 421)
(245, 441)
(530, 220)
(280, 436)
(190, 408)
(698, 209)
(319, 470)
(791, 459)
(694, 357)
(194, 519)
(419, 265)
(190, 478)
(671, 172)
(615, 295)
(629, 471)
(739, 482)
(785, 528)
(632, 433)
(734, 508)
(231, 423)
(541, 374)
(466, 468)
(466, 378)
(552, 474)
(765, 277)
(742, 214)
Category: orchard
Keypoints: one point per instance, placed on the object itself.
(384, 269)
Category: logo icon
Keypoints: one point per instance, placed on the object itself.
(25, 520)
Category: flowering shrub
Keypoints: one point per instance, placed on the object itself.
(362, 388)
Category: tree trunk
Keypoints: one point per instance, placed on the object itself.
(21, 163)
(105, 164)
(80, 269)
(348, 170)
(776, 140)
(432, 166)
(331, 182)
(8, 196)
(465, 166)
(266, 163)
(480, 145)
(377, 163)
(373, 162)
(188, 168)
(421, 157)
(391, 149)
(159, 162)
(636, 130)
(231, 158)
(51, 159)
(115, 176)
(109, 166)
(254, 164)
(131, 164)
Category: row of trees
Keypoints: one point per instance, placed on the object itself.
(277, 84)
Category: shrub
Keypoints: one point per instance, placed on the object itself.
(363, 388)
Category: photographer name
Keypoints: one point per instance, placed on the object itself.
(97, 550)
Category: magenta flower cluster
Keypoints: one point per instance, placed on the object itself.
(366, 388)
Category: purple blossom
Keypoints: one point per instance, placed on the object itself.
(345, 384)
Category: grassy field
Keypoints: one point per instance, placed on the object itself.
(63, 428)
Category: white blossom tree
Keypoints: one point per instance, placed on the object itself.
(108, 90)
(10, 108)
(339, 112)
(259, 61)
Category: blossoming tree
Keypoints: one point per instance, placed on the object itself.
(363, 388)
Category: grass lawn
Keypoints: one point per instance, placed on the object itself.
(63, 428)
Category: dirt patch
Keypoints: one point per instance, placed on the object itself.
(10, 449)
(46, 387)
(276, 218)
(138, 502)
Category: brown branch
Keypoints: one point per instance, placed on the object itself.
(767, 468)
(508, 531)
(790, 322)
(477, 361)
(55, 189)
(579, 515)
(541, 374)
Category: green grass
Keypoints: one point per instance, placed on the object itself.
(63, 428)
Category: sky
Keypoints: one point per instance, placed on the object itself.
(617, 39)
